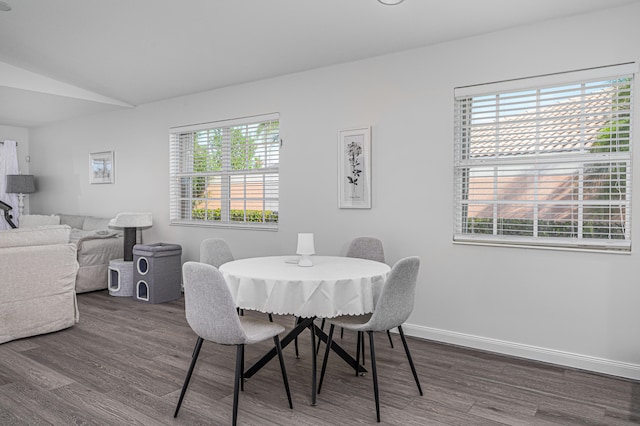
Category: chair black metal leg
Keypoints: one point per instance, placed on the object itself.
(276, 340)
(390, 340)
(358, 346)
(406, 349)
(196, 349)
(242, 371)
(194, 358)
(374, 373)
(341, 332)
(326, 357)
(270, 318)
(236, 385)
(362, 343)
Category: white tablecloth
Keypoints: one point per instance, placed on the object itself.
(332, 286)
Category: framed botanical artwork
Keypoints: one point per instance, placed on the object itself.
(354, 168)
(101, 168)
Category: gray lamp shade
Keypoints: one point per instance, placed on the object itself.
(20, 184)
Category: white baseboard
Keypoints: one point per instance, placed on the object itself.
(583, 362)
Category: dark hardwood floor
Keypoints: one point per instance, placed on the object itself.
(125, 362)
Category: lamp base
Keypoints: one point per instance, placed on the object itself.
(305, 260)
(20, 205)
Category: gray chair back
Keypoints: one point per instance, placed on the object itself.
(215, 252)
(366, 248)
(395, 303)
(209, 306)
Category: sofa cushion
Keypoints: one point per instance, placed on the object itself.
(79, 235)
(31, 220)
(95, 223)
(74, 221)
(39, 235)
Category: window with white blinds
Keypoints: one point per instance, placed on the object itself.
(546, 161)
(226, 173)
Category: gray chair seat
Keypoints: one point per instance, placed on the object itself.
(351, 322)
(258, 330)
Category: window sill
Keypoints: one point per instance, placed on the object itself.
(541, 247)
(203, 224)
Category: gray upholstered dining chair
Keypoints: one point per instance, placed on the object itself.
(216, 252)
(369, 248)
(394, 306)
(211, 314)
(366, 248)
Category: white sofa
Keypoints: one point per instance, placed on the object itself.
(96, 244)
(38, 269)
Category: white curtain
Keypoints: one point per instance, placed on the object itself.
(8, 166)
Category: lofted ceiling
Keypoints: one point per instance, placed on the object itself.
(61, 59)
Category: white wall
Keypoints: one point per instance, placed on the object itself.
(572, 308)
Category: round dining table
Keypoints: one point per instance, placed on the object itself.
(333, 286)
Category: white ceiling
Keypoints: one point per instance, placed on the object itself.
(65, 58)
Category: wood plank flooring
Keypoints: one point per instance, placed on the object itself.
(125, 362)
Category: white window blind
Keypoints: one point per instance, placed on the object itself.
(546, 161)
(226, 173)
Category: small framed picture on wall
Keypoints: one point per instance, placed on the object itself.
(354, 168)
(101, 168)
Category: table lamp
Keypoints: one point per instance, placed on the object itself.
(131, 222)
(20, 184)
(305, 249)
